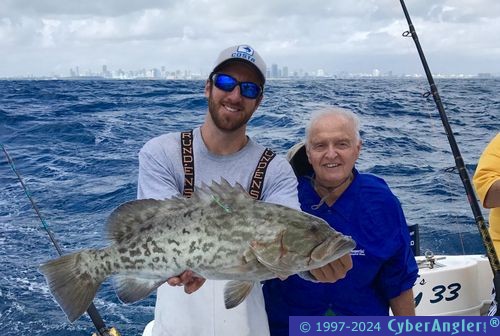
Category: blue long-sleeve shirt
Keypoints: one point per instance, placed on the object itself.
(383, 262)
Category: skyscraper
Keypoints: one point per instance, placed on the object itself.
(274, 71)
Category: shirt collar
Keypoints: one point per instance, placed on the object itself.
(343, 206)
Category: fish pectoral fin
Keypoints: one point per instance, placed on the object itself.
(130, 289)
(279, 270)
(275, 266)
(236, 291)
(266, 253)
(283, 276)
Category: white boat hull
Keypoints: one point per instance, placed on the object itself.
(457, 285)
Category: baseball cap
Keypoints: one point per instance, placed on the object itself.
(242, 53)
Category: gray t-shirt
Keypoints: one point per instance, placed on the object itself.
(161, 176)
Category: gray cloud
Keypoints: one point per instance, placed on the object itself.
(51, 36)
(107, 8)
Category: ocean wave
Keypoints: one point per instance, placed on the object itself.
(76, 142)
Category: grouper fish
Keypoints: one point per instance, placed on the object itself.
(220, 233)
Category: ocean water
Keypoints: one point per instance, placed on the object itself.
(76, 142)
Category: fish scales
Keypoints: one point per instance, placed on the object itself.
(220, 233)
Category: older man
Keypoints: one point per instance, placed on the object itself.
(356, 204)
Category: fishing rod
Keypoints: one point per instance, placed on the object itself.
(96, 318)
(459, 162)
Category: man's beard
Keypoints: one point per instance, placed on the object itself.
(223, 123)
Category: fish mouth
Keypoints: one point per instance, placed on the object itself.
(331, 249)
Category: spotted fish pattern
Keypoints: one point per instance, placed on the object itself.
(220, 233)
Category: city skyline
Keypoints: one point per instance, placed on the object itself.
(275, 71)
(48, 37)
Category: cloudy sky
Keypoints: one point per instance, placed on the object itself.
(44, 37)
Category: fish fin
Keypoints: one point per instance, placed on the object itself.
(137, 216)
(71, 284)
(236, 291)
(277, 268)
(225, 195)
(129, 289)
(267, 252)
(252, 265)
(281, 273)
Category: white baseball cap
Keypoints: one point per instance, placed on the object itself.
(244, 53)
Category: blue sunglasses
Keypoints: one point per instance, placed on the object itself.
(227, 83)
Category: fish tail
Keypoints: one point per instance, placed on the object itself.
(73, 282)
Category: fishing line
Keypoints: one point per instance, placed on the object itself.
(459, 162)
(449, 187)
(91, 310)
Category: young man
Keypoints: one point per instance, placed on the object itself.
(177, 163)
